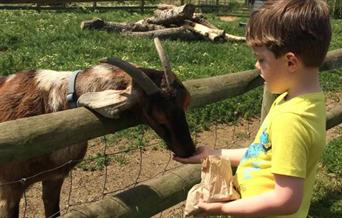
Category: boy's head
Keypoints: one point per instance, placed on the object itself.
(298, 26)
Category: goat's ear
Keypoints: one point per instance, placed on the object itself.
(108, 103)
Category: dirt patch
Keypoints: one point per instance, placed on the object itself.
(130, 168)
(332, 100)
(228, 18)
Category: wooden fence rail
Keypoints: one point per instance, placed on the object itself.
(49, 2)
(144, 200)
(35, 136)
(63, 4)
(52, 2)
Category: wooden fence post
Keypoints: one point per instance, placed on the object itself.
(142, 5)
(336, 10)
(267, 100)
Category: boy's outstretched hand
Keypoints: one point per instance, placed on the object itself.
(201, 153)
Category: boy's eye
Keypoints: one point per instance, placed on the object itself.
(260, 60)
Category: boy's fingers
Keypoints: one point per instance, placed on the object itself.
(185, 160)
(198, 156)
(202, 210)
(209, 208)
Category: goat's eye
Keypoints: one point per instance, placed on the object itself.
(159, 114)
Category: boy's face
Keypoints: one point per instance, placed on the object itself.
(273, 70)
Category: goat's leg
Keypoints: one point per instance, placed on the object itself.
(51, 196)
(9, 202)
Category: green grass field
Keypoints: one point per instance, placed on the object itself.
(54, 40)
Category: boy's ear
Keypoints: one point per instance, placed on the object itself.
(292, 61)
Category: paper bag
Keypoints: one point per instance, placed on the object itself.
(217, 184)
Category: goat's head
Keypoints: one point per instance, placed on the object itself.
(161, 103)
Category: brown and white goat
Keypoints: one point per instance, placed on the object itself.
(158, 99)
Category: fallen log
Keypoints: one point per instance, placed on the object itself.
(198, 18)
(167, 33)
(168, 22)
(209, 33)
(233, 38)
(174, 15)
(98, 23)
(95, 23)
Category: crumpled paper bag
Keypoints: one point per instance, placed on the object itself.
(217, 184)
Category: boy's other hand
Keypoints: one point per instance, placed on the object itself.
(207, 209)
(201, 153)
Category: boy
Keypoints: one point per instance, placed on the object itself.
(290, 39)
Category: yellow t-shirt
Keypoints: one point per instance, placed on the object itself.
(289, 142)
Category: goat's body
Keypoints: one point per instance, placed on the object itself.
(39, 92)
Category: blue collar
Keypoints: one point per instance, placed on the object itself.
(71, 94)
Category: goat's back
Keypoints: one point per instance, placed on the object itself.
(20, 96)
(33, 93)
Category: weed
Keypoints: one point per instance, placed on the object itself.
(332, 156)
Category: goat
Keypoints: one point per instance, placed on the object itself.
(155, 97)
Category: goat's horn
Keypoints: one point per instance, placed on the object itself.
(164, 60)
(138, 75)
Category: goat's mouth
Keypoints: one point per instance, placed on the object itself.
(181, 148)
(182, 153)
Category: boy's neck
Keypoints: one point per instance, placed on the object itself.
(307, 81)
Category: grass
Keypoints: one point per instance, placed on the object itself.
(54, 40)
(99, 161)
(29, 39)
(327, 195)
(332, 157)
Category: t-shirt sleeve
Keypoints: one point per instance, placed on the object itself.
(290, 140)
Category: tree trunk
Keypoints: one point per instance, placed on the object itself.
(167, 33)
(175, 15)
(199, 18)
(97, 23)
(206, 32)
(232, 38)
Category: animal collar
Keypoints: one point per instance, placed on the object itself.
(71, 95)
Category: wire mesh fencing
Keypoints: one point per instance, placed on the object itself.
(111, 166)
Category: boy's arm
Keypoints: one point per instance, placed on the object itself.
(202, 152)
(285, 199)
(234, 155)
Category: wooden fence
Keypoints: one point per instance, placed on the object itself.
(35, 136)
(110, 4)
(336, 8)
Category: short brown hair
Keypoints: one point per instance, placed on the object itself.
(298, 26)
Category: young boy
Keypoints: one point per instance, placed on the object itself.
(290, 39)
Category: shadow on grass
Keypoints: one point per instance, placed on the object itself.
(327, 206)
